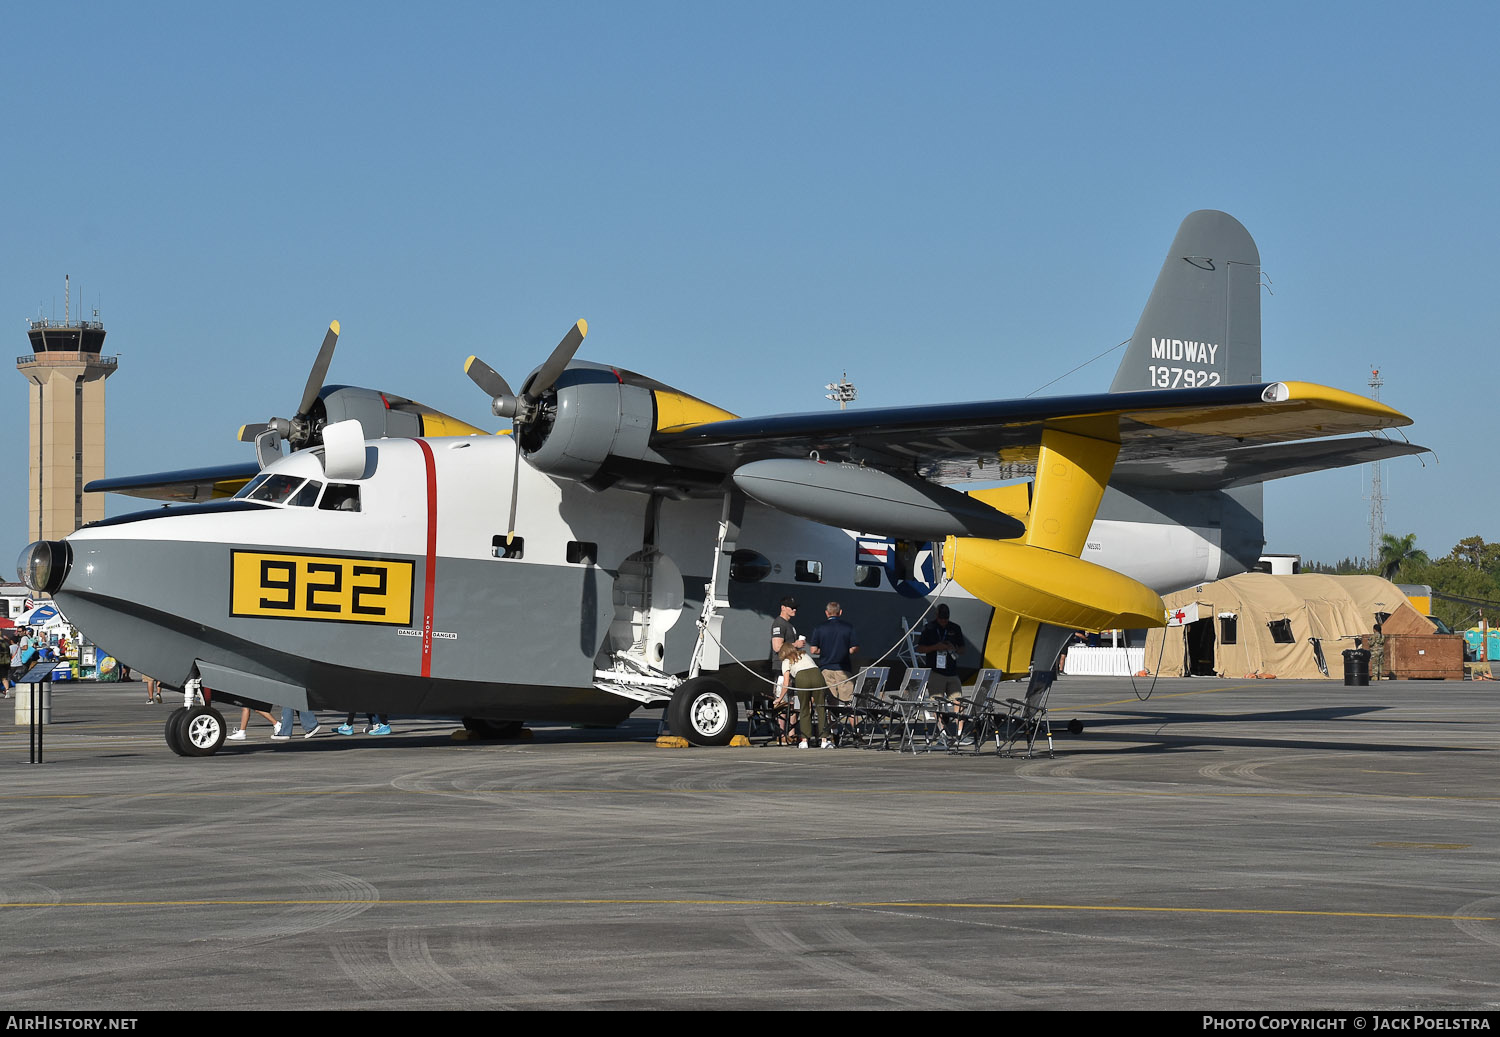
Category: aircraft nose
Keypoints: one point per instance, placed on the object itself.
(44, 565)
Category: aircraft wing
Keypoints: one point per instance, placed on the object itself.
(187, 484)
(1220, 432)
(1205, 438)
(1243, 466)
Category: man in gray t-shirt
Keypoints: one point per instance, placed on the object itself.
(783, 633)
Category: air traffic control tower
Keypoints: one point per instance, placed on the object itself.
(66, 374)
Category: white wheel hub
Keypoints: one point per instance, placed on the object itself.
(708, 714)
(202, 731)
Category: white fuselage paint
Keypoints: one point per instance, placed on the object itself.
(1163, 556)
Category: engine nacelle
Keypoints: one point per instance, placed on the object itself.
(371, 409)
(593, 420)
(382, 415)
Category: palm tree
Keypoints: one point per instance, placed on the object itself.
(1398, 552)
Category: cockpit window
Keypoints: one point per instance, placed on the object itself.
(307, 496)
(251, 486)
(340, 497)
(276, 489)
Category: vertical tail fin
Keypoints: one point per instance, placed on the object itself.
(1201, 325)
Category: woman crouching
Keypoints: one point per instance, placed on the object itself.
(800, 672)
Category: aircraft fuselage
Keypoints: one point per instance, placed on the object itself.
(415, 603)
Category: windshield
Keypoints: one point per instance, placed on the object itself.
(275, 489)
(250, 487)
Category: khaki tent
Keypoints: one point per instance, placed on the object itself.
(1256, 624)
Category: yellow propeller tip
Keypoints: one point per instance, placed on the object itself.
(583, 326)
(333, 326)
(240, 435)
(469, 363)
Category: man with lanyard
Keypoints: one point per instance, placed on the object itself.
(832, 643)
(939, 645)
(783, 633)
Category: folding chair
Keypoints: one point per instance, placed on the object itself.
(763, 718)
(917, 714)
(976, 711)
(1024, 721)
(845, 717)
(875, 712)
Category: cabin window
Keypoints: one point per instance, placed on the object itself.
(340, 497)
(276, 489)
(1229, 630)
(583, 552)
(809, 571)
(1281, 631)
(308, 495)
(867, 575)
(515, 549)
(746, 566)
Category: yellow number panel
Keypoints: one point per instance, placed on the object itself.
(298, 586)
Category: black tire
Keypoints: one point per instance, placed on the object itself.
(704, 712)
(173, 731)
(202, 731)
(494, 728)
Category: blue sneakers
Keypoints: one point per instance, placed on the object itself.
(344, 729)
(381, 729)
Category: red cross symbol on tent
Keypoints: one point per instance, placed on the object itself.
(1179, 615)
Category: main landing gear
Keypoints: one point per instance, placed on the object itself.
(703, 711)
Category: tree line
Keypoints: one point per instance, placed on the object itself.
(1465, 582)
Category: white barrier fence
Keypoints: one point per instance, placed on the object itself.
(1083, 661)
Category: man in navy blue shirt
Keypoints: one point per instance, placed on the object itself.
(831, 644)
(939, 645)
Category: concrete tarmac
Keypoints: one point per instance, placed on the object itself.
(1225, 845)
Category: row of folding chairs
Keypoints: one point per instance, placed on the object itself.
(905, 717)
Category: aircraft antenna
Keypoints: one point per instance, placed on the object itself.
(1377, 495)
(841, 391)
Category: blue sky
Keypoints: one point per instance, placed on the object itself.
(949, 201)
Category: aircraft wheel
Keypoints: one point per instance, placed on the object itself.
(173, 731)
(202, 731)
(494, 728)
(704, 712)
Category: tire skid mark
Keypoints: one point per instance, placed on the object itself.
(1485, 932)
(820, 955)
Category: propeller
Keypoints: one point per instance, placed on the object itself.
(298, 430)
(524, 408)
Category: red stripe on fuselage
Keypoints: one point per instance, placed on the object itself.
(430, 583)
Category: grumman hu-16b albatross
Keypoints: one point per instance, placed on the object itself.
(401, 561)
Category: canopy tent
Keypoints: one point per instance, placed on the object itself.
(1257, 624)
(42, 615)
